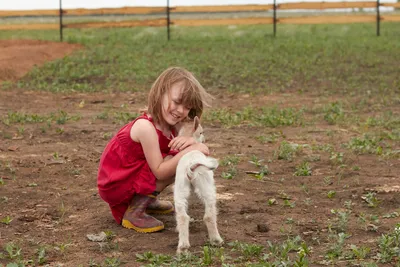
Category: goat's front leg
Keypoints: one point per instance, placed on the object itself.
(181, 195)
(210, 219)
(182, 226)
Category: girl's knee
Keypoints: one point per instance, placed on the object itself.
(162, 184)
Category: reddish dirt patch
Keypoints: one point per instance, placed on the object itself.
(49, 176)
(17, 57)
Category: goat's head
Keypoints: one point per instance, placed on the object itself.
(192, 128)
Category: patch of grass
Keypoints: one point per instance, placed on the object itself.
(313, 158)
(337, 158)
(263, 171)
(322, 147)
(248, 251)
(256, 161)
(103, 115)
(41, 255)
(13, 117)
(229, 160)
(340, 222)
(121, 117)
(333, 113)
(62, 247)
(112, 262)
(369, 222)
(269, 138)
(289, 204)
(331, 194)
(389, 245)
(272, 201)
(267, 117)
(371, 199)
(6, 220)
(230, 173)
(336, 248)
(360, 253)
(393, 214)
(305, 52)
(304, 169)
(106, 136)
(240, 253)
(287, 151)
(157, 259)
(388, 120)
(59, 117)
(282, 253)
(366, 145)
(13, 253)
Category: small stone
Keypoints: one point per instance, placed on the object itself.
(262, 227)
(100, 237)
(13, 148)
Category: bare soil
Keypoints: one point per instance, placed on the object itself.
(50, 190)
(18, 56)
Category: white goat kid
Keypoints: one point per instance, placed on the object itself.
(195, 170)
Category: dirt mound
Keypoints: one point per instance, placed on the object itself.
(17, 57)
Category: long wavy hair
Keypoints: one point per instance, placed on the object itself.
(193, 94)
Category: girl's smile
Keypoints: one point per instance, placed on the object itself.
(173, 110)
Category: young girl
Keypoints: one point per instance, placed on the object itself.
(141, 159)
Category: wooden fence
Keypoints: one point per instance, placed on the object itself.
(167, 11)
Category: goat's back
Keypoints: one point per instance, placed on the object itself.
(195, 162)
(196, 169)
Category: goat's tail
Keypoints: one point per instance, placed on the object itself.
(208, 162)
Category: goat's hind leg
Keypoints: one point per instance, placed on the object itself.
(210, 216)
(210, 219)
(182, 218)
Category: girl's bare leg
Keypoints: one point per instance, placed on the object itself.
(162, 184)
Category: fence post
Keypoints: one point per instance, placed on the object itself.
(378, 19)
(275, 18)
(61, 25)
(168, 20)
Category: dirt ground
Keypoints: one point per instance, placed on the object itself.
(18, 57)
(49, 176)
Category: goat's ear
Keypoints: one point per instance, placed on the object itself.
(196, 123)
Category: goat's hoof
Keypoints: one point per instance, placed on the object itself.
(216, 241)
(182, 249)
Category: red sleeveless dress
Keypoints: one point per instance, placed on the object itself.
(124, 171)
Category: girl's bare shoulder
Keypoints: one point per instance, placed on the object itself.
(142, 128)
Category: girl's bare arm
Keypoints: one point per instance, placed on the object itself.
(144, 132)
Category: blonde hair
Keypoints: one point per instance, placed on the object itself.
(193, 94)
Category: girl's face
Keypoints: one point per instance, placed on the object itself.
(173, 110)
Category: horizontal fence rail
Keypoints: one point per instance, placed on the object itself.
(119, 24)
(334, 19)
(206, 22)
(84, 11)
(192, 9)
(326, 5)
(233, 8)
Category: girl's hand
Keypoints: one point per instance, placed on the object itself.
(181, 142)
